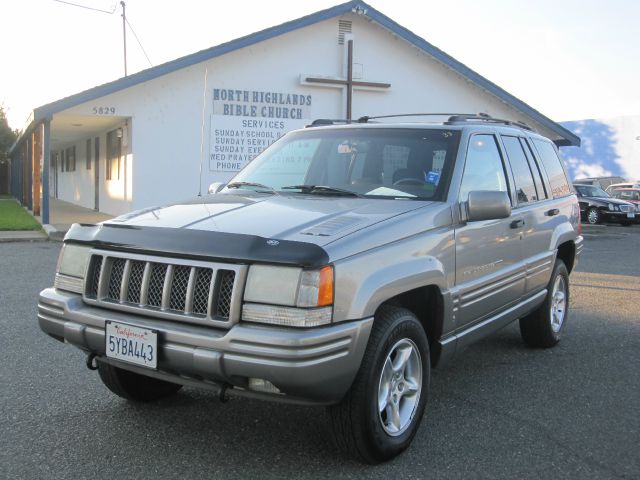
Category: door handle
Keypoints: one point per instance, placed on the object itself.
(517, 223)
(552, 212)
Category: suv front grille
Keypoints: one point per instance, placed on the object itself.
(163, 287)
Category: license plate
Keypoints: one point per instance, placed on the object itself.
(132, 344)
(631, 215)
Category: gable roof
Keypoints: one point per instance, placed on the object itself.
(355, 6)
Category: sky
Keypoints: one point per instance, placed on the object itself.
(569, 59)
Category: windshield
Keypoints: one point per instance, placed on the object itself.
(626, 194)
(380, 163)
(590, 191)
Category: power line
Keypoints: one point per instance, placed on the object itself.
(88, 8)
(138, 40)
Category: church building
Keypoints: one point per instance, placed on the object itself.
(166, 133)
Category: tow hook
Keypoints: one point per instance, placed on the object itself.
(92, 363)
(223, 393)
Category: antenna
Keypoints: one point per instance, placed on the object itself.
(204, 107)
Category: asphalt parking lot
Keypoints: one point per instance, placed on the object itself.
(500, 411)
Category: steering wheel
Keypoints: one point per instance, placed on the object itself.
(409, 181)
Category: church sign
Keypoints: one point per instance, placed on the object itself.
(245, 122)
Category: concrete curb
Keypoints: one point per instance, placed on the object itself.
(22, 236)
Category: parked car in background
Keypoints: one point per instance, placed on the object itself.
(628, 195)
(597, 206)
(602, 182)
(615, 186)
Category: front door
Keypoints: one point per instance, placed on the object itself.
(489, 269)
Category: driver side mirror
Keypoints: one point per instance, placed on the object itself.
(215, 187)
(488, 205)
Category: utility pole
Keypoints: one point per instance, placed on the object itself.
(124, 36)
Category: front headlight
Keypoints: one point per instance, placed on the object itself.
(610, 206)
(288, 296)
(72, 267)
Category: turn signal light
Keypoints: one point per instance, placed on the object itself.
(325, 290)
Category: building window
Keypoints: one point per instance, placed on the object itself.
(114, 152)
(88, 155)
(70, 159)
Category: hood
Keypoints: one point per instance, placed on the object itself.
(605, 200)
(297, 217)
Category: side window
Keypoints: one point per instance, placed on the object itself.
(535, 169)
(555, 172)
(483, 169)
(525, 188)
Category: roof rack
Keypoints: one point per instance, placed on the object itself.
(318, 122)
(483, 117)
(453, 119)
(366, 118)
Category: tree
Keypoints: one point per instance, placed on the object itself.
(7, 136)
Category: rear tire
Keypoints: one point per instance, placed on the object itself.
(542, 328)
(133, 386)
(381, 413)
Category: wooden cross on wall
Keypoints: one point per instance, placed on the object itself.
(349, 82)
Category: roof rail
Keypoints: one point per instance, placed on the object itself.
(483, 117)
(366, 118)
(318, 122)
(453, 118)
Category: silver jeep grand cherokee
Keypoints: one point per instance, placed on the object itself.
(337, 269)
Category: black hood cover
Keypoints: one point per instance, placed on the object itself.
(198, 244)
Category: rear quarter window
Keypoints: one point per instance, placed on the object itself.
(553, 166)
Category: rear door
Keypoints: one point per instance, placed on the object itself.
(489, 267)
(537, 211)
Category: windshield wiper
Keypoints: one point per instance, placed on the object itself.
(323, 189)
(252, 184)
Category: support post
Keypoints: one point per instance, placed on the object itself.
(46, 157)
(36, 169)
(349, 77)
(28, 165)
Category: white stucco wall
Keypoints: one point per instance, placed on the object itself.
(166, 113)
(78, 187)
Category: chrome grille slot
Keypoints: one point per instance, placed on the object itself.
(134, 289)
(225, 282)
(201, 291)
(115, 279)
(192, 291)
(94, 277)
(156, 284)
(179, 284)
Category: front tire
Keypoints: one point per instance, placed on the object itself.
(542, 328)
(382, 411)
(593, 216)
(133, 386)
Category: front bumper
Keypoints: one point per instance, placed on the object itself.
(315, 365)
(621, 217)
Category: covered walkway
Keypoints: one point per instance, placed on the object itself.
(63, 214)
